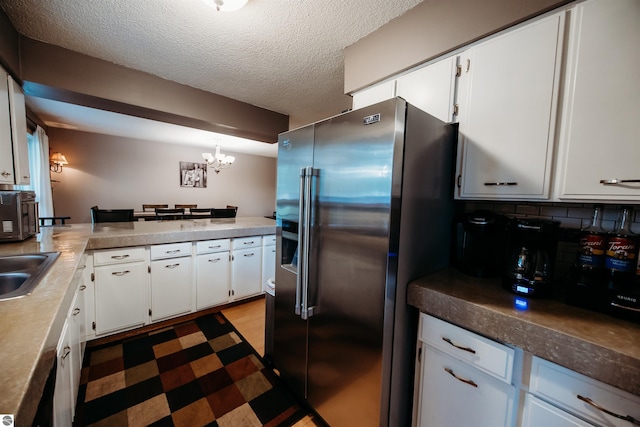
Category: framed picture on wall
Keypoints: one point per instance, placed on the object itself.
(193, 175)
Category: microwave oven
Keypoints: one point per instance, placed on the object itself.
(18, 215)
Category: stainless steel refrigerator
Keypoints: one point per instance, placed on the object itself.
(364, 206)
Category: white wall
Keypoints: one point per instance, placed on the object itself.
(123, 173)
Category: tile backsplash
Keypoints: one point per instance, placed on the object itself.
(572, 217)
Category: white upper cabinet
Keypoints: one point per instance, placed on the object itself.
(600, 128)
(374, 94)
(508, 93)
(19, 133)
(6, 150)
(431, 88)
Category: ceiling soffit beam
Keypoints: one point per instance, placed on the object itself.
(60, 74)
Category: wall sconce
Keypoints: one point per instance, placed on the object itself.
(218, 160)
(56, 161)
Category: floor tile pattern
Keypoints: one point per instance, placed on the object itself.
(198, 373)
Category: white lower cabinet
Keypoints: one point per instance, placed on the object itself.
(268, 259)
(121, 289)
(583, 397)
(246, 265)
(170, 280)
(458, 385)
(63, 408)
(212, 273)
(69, 354)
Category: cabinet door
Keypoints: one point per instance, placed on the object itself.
(170, 287)
(19, 133)
(507, 115)
(121, 296)
(62, 401)
(600, 126)
(212, 279)
(374, 94)
(453, 394)
(431, 88)
(539, 413)
(268, 264)
(245, 272)
(76, 338)
(6, 149)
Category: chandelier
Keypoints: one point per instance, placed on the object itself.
(218, 160)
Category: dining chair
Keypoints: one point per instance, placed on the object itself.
(186, 207)
(200, 213)
(152, 208)
(224, 213)
(111, 215)
(169, 213)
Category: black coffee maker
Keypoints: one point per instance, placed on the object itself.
(531, 256)
(480, 249)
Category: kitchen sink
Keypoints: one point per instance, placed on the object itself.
(20, 274)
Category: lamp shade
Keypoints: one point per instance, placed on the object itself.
(58, 159)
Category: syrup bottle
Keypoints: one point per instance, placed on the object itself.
(592, 242)
(621, 251)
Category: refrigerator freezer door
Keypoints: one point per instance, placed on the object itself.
(295, 152)
(355, 158)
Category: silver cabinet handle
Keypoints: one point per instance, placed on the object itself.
(464, 380)
(67, 351)
(249, 243)
(214, 247)
(613, 414)
(619, 181)
(214, 260)
(501, 183)
(121, 273)
(172, 265)
(251, 254)
(120, 256)
(448, 341)
(6, 174)
(83, 287)
(175, 251)
(76, 311)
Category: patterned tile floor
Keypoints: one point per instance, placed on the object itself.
(197, 373)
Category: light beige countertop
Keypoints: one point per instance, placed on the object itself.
(593, 344)
(30, 327)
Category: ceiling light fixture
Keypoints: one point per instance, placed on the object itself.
(56, 161)
(218, 160)
(229, 5)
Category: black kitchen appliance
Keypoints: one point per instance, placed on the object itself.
(481, 239)
(531, 253)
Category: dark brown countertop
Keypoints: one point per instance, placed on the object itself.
(593, 344)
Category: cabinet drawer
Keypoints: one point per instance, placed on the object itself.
(562, 387)
(118, 256)
(247, 242)
(211, 246)
(489, 356)
(537, 412)
(171, 250)
(457, 395)
(269, 240)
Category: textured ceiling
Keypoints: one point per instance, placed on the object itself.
(283, 55)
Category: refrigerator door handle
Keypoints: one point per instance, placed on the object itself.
(310, 173)
(301, 238)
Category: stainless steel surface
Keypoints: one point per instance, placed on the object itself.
(18, 215)
(351, 358)
(20, 274)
